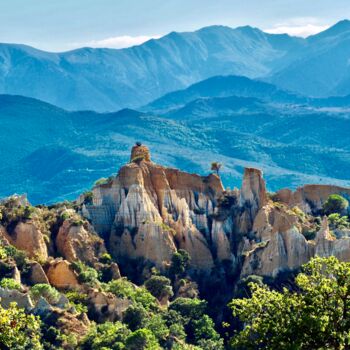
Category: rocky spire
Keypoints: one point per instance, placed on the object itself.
(253, 192)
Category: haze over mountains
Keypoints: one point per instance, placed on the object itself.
(52, 154)
(108, 79)
(269, 101)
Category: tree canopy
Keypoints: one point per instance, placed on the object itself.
(316, 316)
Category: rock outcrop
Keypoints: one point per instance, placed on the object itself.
(77, 242)
(61, 275)
(147, 212)
(28, 237)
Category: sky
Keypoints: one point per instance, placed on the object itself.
(60, 25)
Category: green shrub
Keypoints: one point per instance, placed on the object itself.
(335, 204)
(159, 287)
(142, 339)
(18, 256)
(135, 317)
(105, 258)
(189, 308)
(338, 222)
(19, 331)
(78, 300)
(179, 262)
(106, 336)
(46, 291)
(102, 181)
(122, 288)
(10, 283)
(86, 274)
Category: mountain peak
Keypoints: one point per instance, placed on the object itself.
(336, 29)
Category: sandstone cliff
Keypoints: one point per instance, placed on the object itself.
(148, 212)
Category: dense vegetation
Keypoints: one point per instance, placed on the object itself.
(172, 309)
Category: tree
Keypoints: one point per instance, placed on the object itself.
(142, 339)
(19, 331)
(46, 291)
(179, 262)
(106, 336)
(135, 317)
(315, 317)
(216, 166)
(160, 287)
(335, 204)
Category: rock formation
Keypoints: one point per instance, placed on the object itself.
(148, 211)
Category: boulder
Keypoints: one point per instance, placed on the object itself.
(61, 275)
(37, 274)
(77, 242)
(8, 296)
(104, 307)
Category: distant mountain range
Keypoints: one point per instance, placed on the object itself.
(108, 80)
(53, 154)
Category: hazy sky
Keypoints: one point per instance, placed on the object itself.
(66, 24)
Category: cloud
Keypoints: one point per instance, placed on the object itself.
(303, 31)
(119, 42)
(299, 26)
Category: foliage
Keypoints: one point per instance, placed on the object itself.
(18, 256)
(335, 204)
(316, 317)
(106, 336)
(46, 291)
(18, 331)
(78, 300)
(160, 287)
(105, 258)
(86, 274)
(10, 283)
(179, 262)
(189, 308)
(205, 334)
(142, 339)
(135, 317)
(122, 288)
(338, 222)
(102, 181)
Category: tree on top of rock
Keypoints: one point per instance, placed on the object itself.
(216, 166)
(335, 204)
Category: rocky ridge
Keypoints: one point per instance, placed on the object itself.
(148, 211)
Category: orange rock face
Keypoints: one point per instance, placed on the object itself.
(60, 274)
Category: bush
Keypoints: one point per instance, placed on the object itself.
(78, 300)
(86, 274)
(338, 222)
(106, 336)
(46, 291)
(122, 288)
(102, 181)
(142, 339)
(335, 204)
(19, 331)
(10, 283)
(159, 287)
(105, 258)
(17, 255)
(179, 262)
(135, 317)
(189, 308)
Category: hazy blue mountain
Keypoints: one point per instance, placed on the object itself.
(224, 86)
(108, 80)
(52, 154)
(322, 66)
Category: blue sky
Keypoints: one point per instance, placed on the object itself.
(58, 25)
